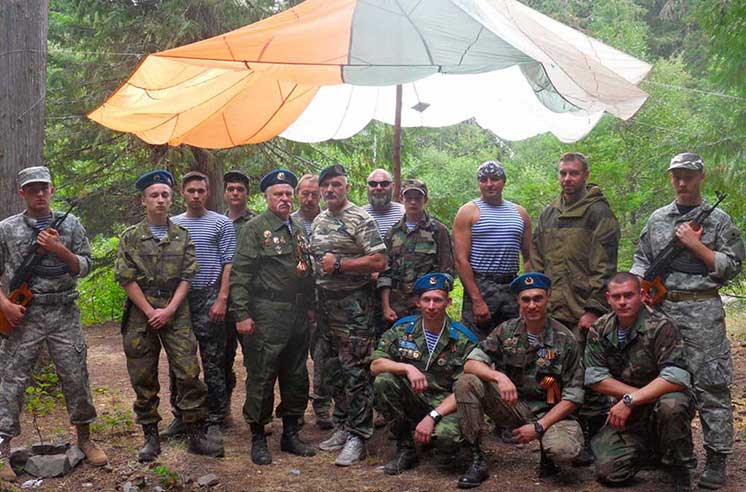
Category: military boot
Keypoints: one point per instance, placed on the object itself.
(152, 446)
(260, 454)
(547, 468)
(290, 442)
(477, 472)
(6, 471)
(404, 459)
(713, 477)
(590, 426)
(200, 444)
(682, 481)
(177, 429)
(94, 455)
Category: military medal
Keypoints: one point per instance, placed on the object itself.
(276, 240)
(441, 362)
(416, 354)
(267, 234)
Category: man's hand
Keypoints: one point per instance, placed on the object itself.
(160, 318)
(245, 327)
(688, 236)
(508, 391)
(416, 379)
(49, 239)
(389, 314)
(424, 430)
(525, 434)
(218, 310)
(618, 415)
(13, 313)
(587, 320)
(481, 311)
(327, 263)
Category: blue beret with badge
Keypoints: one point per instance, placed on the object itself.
(278, 176)
(531, 280)
(433, 281)
(159, 176)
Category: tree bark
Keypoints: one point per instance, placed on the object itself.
(23, 77)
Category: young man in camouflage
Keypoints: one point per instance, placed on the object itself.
(535, 386)
(155, 264)
(347, 249)
(416, 245)
(52, 317)
(713, 256)
(271, 296)
(636, 356)
(415, 366)
(575, 243)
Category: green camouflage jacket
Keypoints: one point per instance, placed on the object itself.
(653, 347)
(576, 246)
(557, 355)
(405, 342)
(242, 220)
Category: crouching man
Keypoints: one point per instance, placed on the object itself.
(534, 387)
(415, 366)
(637, 357)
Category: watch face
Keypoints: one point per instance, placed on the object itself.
(627, 399)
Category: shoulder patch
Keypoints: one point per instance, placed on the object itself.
(405, 320)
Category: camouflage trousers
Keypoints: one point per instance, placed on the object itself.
(320, 397)
(57, 325)
(231, 346)
(662, 429)
(702, 325)
(346, 345)
(403, 410)
(276, 351)
(142, 346)
(211, 340)
(561, 443)
(500, 301)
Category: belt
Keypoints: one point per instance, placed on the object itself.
(278, 296)
(338, 294)
(691, 295)
(499, 278)
(55, 297)
(160, 292)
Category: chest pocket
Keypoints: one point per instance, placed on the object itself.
(425, 243)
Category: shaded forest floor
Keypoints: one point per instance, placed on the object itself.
(513, 468)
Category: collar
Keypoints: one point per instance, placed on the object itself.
(546, 336)
(673, 210)
(637, 327)
(246, 214)
(421, 224)
(144, 232)
(275, 223)
(339, 212)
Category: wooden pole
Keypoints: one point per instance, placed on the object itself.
(396, 158)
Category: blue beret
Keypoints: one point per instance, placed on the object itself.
(331, 172)
(531, 280)
(433, 281)
(278, 176)
(159, 176)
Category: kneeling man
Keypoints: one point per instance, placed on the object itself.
(415, 365)
(527, 376)
(637, 357)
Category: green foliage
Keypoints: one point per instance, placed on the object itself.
(101, 297)
(170, 479)
(43, 396)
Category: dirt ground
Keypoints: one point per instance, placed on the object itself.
(513, 468)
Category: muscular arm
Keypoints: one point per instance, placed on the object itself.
(526, 241)
(364, 264)
(465, 218)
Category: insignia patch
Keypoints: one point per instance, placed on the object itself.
(267, 234)
(528, 281)
(281, 176)
(407, 344)
(433, 280)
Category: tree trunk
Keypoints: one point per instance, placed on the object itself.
(23, 66)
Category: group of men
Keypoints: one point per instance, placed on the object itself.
(568, 354)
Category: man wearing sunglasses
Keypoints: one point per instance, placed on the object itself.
(380, 193)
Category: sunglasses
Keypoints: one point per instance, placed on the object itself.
(382, 184)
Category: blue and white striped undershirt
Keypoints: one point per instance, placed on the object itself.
(385, 219)
(214, 238)
(621, 335)
(496, 238)
(431, 339)
(42, 224)
(533, 340)
(159, 231)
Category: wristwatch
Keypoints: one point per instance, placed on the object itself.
(337, 264)
(538, 428)
(627, 400)
(435, 415)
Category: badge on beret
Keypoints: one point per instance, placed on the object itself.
(529, 281)
(267, 234)
(433, 280)
(281, 176)
(157, 177)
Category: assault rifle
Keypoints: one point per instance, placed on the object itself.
(20, 293)
(655, 275)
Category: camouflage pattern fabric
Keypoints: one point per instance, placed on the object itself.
(320, 397)
(701, 322)
(501, 302)
(412, 254)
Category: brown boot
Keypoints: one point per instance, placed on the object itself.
(6, 471)
(94, 455)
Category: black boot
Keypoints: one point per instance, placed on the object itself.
(290, 442)
(404, 459)
(682, 481)
(713, 477)
(590, 426)
(547, 468)
(152, 446)
(477, 472)
(177, 429)
(200, 444)
(260, 454)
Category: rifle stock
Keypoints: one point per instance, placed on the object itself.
(22, 296)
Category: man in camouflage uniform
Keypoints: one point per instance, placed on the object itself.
(415, 366)
(154, 265)
(235, 196)
(575, 243)
(416, 245)
(271, 295)
(713, 256)
(536, 383)
(637, 356)
(52, 317)
(347, 248)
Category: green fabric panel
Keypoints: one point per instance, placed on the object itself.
(545, 91)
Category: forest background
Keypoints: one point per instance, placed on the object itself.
(697, 103)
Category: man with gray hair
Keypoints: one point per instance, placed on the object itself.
(309, 196)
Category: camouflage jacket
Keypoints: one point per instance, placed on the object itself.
(690, 274)
(557, 355)
(426, 249)
(653, 347)
(576, 246)
(155, 264)
(405, 342)
(242, 220)
(348, 233)
(52, 275)
(270, 263)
